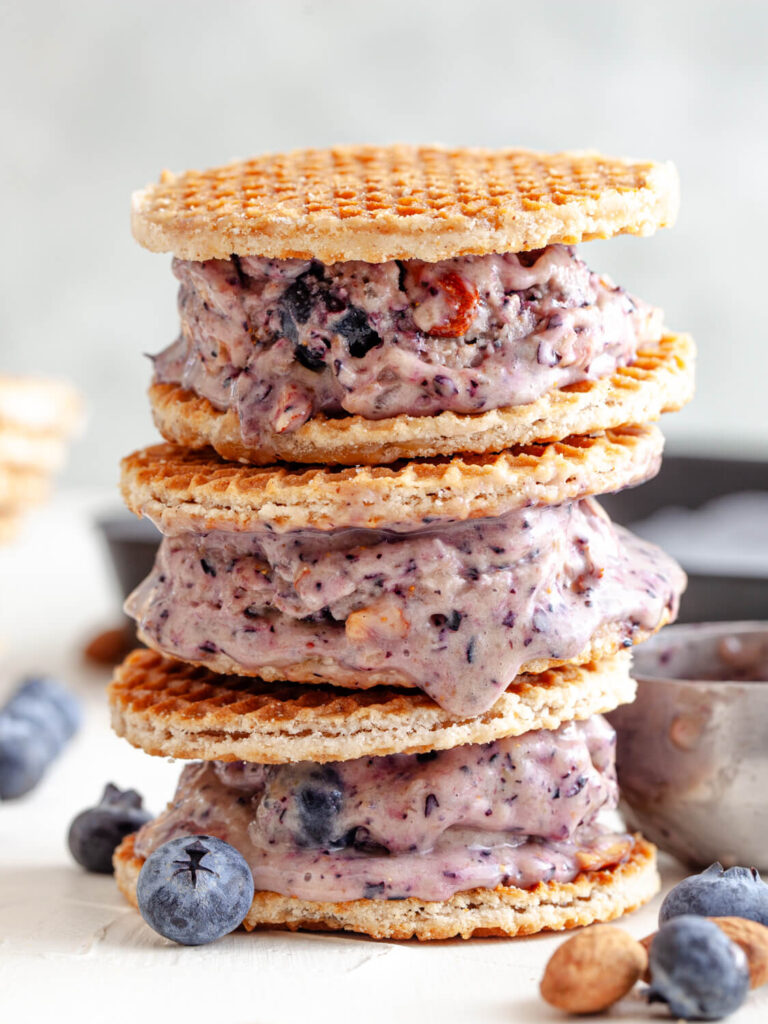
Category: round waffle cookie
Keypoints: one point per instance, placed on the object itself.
(182, 489)
(173, 709)
(379, 203)
(39, 451)
(503, 912)
(38, 406)
(10, 524)
(659, 380)
(22, 485)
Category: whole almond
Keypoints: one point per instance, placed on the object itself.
(753, 939)
(593, 970)
(646, 944)
(750, 935)
(111, 646)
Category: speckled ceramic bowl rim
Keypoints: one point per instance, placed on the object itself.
(705, 630)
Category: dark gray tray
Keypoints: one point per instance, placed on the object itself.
(683, 481)
(690, 482)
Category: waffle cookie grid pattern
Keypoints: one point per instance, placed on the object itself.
(377, 203)
(173, 709)
(170, 483)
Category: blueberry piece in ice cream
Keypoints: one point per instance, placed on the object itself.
(297, 299)
(313, 358)
(733, 892)
(359, 334)
(319, 803)
(96, 832)
(194, 889)
(697, 970)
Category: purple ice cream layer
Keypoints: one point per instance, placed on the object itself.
(517, 811)
(280, 341)
(455, 609)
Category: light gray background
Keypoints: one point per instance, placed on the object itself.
(97, 97)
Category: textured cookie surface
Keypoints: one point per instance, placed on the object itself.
(379, 203)
(10, 524)
(171, 709)
(22, 485)
(179, 489)
(38, 451)
(502, 912)
(39, 405)
(660, 380)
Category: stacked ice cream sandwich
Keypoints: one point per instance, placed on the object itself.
(387, 613)
(38, 418)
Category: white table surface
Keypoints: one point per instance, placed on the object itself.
(72, 950)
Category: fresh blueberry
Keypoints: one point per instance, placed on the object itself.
(23, 757)
(35, 724)
(96, 832)
(46, 691)
(319, 802)
(696, 970)
(735, 892)
(195, 889)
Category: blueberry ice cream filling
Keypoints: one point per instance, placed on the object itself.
(455, 609)
(517, 811)
(279, 341)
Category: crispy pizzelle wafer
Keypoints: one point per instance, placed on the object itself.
(660, 380)
(172, 709)
(505, 911)
(178, 488)
(378, 203)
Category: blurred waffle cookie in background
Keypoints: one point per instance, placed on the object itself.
(38, 420)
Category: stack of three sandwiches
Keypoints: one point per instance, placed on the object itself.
(387, 614)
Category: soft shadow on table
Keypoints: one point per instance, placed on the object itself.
(58, 909)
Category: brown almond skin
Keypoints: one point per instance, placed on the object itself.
(750, 935)
(110, 647)
(593, 970)
(646, 944)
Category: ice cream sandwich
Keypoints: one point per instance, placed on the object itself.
(452, 576)
(384, 633)
(378, 812)
(364, 304)
(37, 420)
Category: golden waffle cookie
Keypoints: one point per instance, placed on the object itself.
(43, 452)
(22, 486)
(10, 524)
(172, 709)
(660, 380)
(505, 911)
(37, 405)
(182, 489)
(379, 203)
